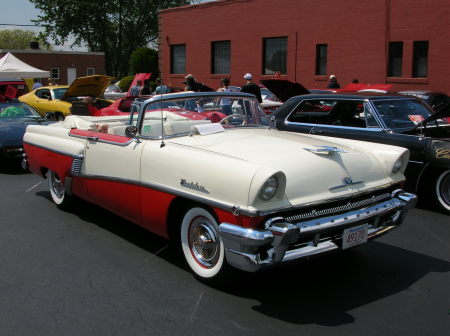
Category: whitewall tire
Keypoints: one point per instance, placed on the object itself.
(202, 246)
(442, 190)
(57, 189)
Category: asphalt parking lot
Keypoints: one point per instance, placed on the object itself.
(89, 272)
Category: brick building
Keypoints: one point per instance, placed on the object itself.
(405, 43)
(64, 66)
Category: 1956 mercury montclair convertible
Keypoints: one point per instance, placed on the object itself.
(233, 193)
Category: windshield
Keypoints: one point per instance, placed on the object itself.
(59, 92)
(179, 114)
(17, 111)
(268, 95)
(401, 113)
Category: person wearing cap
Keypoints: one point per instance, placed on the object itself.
(333, 83)
(191, 84)
(251, 87)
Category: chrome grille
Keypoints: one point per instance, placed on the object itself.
(340, 208)
(76, 166)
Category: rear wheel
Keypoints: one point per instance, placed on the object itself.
(57, 190)
(442, 190)
(202, 246)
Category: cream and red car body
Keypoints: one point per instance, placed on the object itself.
(324, 185)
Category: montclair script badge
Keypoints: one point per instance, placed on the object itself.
(192, 185)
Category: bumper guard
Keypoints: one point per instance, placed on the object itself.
(281, 241)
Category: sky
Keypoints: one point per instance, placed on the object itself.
(21, 12)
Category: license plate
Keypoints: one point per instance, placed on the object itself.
(354, 236)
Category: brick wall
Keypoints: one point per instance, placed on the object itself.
(45, 60)
(357, 33)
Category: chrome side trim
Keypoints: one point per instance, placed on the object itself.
(169, 190)
(75, 156)
(370, 129)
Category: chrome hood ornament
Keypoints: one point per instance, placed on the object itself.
(325, 150)
(347, 182)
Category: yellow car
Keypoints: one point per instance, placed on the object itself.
(58, 99)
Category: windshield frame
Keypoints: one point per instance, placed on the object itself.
(262, 120)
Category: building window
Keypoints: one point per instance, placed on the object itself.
(90, 71)
(321, 59)
(420, 59)
(395, 59)
(220, 56)
(55, 73)
(275, 55)
(178, 59)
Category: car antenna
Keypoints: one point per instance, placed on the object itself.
(162, 120)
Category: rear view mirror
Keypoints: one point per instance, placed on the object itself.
(131, 131)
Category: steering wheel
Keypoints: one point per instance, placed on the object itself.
(228, 120)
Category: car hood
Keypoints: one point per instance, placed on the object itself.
(311, 177)
(283, 88)
(443, 112)
(93, 86)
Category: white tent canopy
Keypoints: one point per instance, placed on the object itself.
(12, 67)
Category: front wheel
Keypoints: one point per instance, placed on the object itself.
(202, 246)
(57, 190)
(442, 190)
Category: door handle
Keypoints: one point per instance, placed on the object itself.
(313, 131)
(92, 138)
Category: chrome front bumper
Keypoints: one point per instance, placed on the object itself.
(281, 241)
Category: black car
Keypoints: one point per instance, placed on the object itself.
(14, 118)
(435, 99)
(389, 119)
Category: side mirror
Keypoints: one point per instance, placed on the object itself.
(131, 131)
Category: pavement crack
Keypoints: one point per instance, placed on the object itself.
(196, 306)
(33, 187)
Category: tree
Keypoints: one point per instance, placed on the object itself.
(19, 39)
(144, 60)
(115, 27)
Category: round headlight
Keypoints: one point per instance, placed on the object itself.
(269, 189)
(397, 165)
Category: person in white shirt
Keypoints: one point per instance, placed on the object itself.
(225, 102)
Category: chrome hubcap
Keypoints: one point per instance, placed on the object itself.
(57, 185)
(204, 242)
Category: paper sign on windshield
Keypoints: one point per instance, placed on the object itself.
(416, 118)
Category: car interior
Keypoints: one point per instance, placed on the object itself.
(329, 112)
